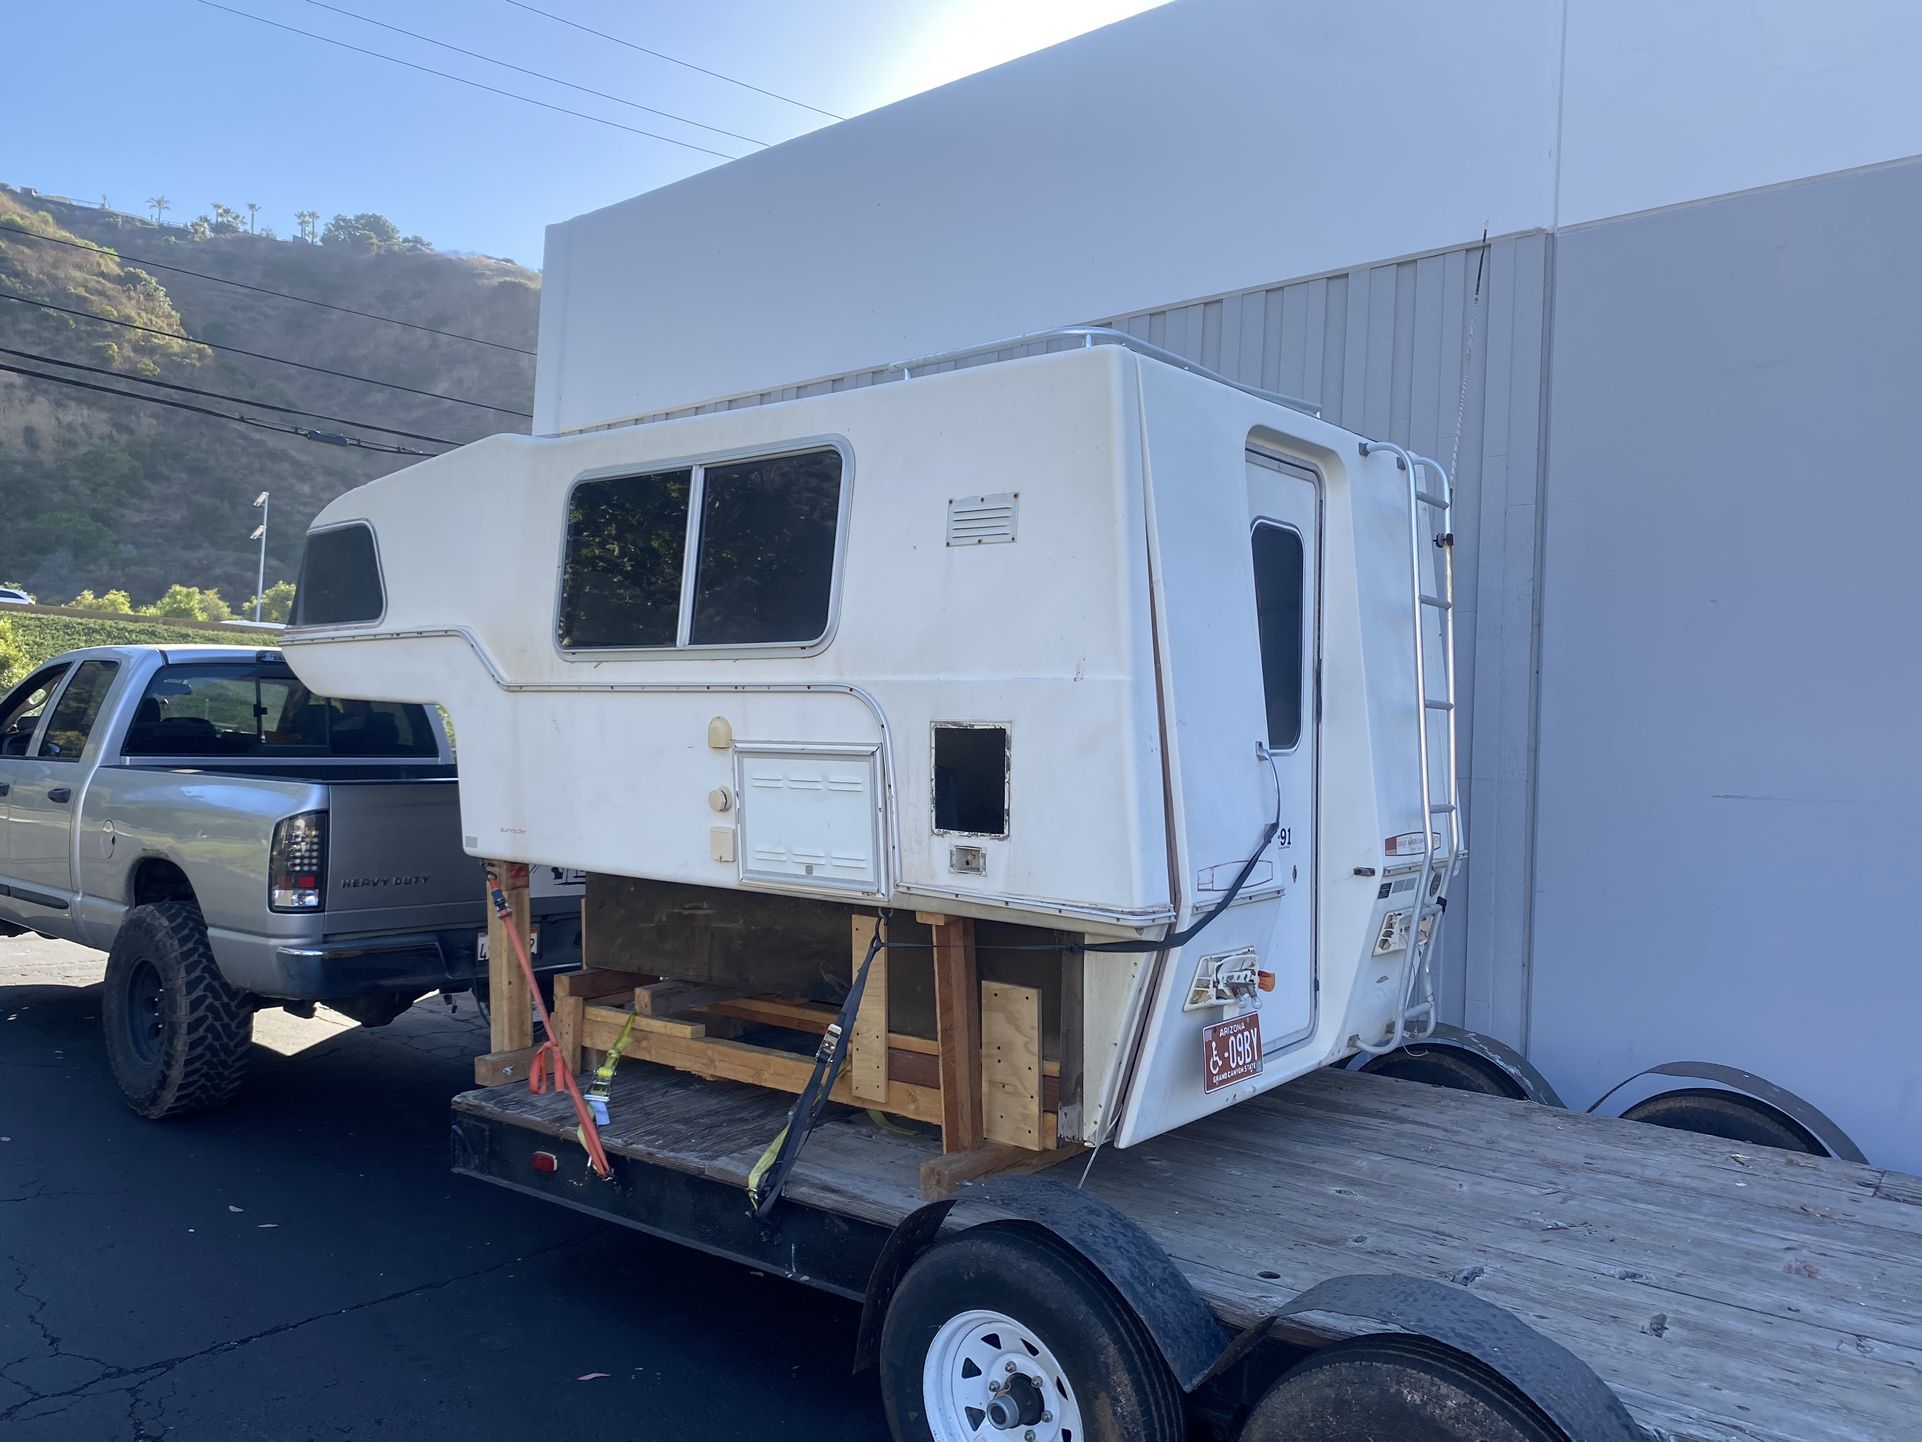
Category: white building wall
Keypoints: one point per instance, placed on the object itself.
(1205, 147)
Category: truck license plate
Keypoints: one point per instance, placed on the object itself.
(533, 945)
(1230, 1051)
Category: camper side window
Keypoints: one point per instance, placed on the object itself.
(766, 569)
(340, 580)
(763, 552)
(1278, 615)
(621, 579)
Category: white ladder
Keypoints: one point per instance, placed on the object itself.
(1431, 536)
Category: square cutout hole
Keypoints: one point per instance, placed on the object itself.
(971, 780)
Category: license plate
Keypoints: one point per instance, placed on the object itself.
(533, 945)
(1230, 1051)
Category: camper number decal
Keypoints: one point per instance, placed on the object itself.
(1230, 1051)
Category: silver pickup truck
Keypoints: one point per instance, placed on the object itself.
(232, 840)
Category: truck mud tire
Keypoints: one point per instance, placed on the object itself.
(1005, 1332)
(1404, 1387)
(177, 1034)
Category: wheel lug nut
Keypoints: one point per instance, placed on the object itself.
(994, 1384)
(1028, 1436)
(1010, 1367)
(1047, 1416)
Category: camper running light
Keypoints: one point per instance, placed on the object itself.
(297, 863)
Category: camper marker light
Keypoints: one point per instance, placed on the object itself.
(297, 863)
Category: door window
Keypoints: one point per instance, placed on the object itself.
(20, 713)
(1278, 614)
(72, 720)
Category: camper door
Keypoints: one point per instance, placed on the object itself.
(1238, 562)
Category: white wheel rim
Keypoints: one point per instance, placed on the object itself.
(987, 1375)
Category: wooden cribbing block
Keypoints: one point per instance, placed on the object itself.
(813, 1017)
(1011, 1064)
(510, 1007)
(737, 1061)
(940, 1176)
(498, 1068)
(957, 1026)
(665, 998)
(589, 983)
(868, 1046)
(568, 1013)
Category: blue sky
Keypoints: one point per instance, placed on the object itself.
(130, 98)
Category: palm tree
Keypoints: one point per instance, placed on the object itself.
(161, 205)
(253, 208)
(309, 222)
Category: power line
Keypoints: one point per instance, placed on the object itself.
(463, 80)
(218, 396)
(325, 437)
(9, 231)
(672, 60)
(256, 355)
(538, 75)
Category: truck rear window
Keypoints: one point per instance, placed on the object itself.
(212, 709)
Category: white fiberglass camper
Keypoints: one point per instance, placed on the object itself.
(1072, 644)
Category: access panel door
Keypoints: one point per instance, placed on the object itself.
(1239, 573)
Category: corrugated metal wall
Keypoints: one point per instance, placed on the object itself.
(1383, 350)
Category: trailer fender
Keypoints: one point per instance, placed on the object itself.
(1678, 1076)
(1563, 1386)
(1517, 1073)
(1133, 1263)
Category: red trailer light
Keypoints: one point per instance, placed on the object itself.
(544, 1162)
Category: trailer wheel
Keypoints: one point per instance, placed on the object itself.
(1003, 1331)
(1445, 1067)
(1728, 1115)
(177, 1034)
(1394, 1385)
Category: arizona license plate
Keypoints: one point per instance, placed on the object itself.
(1230, 1051)
(533, 947)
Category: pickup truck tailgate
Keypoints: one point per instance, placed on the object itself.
(394, 859)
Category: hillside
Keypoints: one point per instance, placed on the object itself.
(98, 492)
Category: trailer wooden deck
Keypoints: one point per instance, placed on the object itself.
(1727, 1293)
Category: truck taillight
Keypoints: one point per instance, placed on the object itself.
(297, 863)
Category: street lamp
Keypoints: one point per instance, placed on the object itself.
(260, 535)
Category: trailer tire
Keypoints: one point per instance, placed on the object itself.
(177, 1034)
(1445, 1067)
(1395, 1385)
(1728, 1115)
(969, 1307)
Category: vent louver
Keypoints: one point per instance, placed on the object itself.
(982, 520)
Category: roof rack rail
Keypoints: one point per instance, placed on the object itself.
(1094, 335)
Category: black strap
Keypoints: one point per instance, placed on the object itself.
(770, 1173)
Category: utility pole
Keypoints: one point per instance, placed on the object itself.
(260, 535)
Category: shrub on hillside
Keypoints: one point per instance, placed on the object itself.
(13, 656)
(190, 603)
(276, 603)
(114, 603)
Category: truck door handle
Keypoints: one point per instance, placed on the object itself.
(60, 793)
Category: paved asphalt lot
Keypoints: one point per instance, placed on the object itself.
(303, 1265)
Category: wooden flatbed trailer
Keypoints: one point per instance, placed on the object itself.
(1709, 1291)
